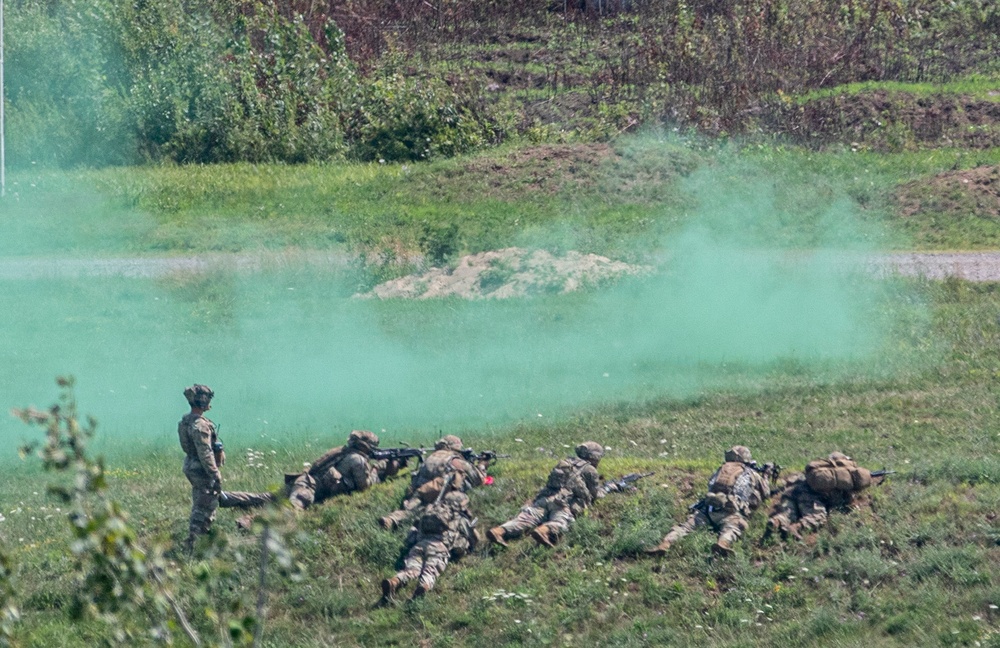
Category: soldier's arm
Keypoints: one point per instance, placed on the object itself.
(383, 469)
(357, 473)
(204, 429)
(473, 475)
(592, 479)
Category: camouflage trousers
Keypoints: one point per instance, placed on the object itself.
(425, 561)
(412, 508)
(800, 506)
(729, 525)
(554, 513)
(204, 500)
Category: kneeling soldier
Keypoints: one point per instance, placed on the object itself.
(734, 491)
(445, 530)
(834, 482)
(573, 485)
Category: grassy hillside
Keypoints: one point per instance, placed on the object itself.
(193, 81)
(917, 565)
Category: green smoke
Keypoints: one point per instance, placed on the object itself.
(758, 280)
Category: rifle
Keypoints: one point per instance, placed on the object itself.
(624, 483)
(398, 454)
(882, 473)
(769, 470)
(217, 448)
(486, 455)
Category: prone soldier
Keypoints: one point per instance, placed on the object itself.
(736, 489)
(445, 530)
(341, 470)
(428, 482)
(572, 486)
(806, 500)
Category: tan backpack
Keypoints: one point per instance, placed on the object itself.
(725, 478)
(837, 475)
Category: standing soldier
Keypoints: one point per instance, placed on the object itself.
(834, 482)
(735, 490)
(198, 436)
(427, 482)
(342, 470)
(573, 485)
(445, 530)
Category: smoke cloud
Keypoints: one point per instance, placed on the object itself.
(753, 283)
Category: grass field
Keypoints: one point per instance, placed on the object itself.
(918, 566)
(620, 200)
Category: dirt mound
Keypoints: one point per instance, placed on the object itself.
(959, 193)
(511, 272)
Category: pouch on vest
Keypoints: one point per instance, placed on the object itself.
(429, 492)
(718, 502)
(434, 521)
(725, 478)
(560, 475)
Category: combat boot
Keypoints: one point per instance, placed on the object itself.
(419, 592)
(244, 522)
(722, 548)
(543, 535)
(660, 549)
(387, 523)
(389, 587)
(497, 535)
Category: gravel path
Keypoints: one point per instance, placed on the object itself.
(973, 266)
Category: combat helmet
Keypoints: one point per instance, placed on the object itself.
(199, 396)
(590, 451)
(362, 441)
(739, 453)
(448, 442)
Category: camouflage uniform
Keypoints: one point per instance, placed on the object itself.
(426, 483)
(801, 506)
(572, 486)
(735, 490)
(445, 530)
(342, 470)
(197, 436)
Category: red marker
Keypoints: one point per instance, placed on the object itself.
(488, 480)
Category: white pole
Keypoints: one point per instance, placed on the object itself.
(3, 158)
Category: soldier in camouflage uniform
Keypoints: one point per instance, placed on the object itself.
(445, 530)
(342, 470)
(572, 486)
(197, 436)
(734, 491)
(427, 482)
(806, 499)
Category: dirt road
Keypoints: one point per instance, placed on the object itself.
(973, 266)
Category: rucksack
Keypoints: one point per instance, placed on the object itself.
(829, 476)
(725, 477)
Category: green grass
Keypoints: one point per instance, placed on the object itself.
(625, 205)
(916, 567)
(976, 86)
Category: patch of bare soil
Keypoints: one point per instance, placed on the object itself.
(511, 272)
(884, 120)
(972, 191)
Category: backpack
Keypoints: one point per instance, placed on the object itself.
(826, 476)
(435, 519)
(725, 477)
